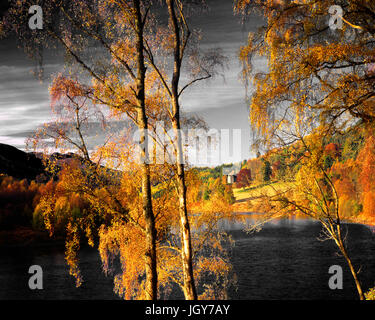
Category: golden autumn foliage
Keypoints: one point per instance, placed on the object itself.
(118, 63)
(312, 73)
(369, 205)
(314, 195)
(366, 161)
(315, 82)
(18, 199)
(124, 242)
(110, 215)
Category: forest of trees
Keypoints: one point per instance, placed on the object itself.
(318, 85)
(347, 158)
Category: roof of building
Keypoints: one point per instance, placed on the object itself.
(232, 171)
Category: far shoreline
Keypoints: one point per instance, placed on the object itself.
(29, 238)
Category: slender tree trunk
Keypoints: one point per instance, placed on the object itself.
(190, 291)
(339, 240)
(355, 276)
(187, 256)
(150, 255)
(352, 269)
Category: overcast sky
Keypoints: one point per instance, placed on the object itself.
(24, 101)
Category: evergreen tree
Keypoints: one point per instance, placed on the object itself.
(266, 171)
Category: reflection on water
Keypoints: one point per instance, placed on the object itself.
(57, 283)
(284, 260)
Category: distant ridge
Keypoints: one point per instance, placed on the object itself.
(19, 164)
(28, 165)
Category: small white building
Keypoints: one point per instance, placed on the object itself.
(231, 173)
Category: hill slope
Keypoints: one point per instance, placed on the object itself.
(19, 164)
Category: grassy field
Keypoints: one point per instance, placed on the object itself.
(243, 194)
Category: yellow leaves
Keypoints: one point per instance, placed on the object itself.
(61, 203)
(306, 69)
(246, 51)
(219, 269)
(368, 200)
(82, 205)
(127, 242)
(335, 52)
(214, 265)
(72, 246)
(370, 294)
(124, 50)
(366, 161)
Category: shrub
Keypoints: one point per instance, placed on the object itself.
(370, 295)
(17, 202)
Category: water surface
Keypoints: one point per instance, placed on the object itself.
(284, 260)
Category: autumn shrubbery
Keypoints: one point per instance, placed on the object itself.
(349, 207)
(66, 207)
(18, 199)
(349, 160)
(354, 182)
(21, 207)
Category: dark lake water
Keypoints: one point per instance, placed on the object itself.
(282, 261)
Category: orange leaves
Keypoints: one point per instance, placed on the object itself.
(218, 268)
(369, 204)
(332, 149)
(72, 246)
(127, 243)
(366, 159)
(332, 53)
(366, 162)
(309, 69)
(345, 187)
(244, 178)
(124, 50)
(62, 87)
(18, 199)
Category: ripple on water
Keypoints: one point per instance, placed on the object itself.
(284, 260)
